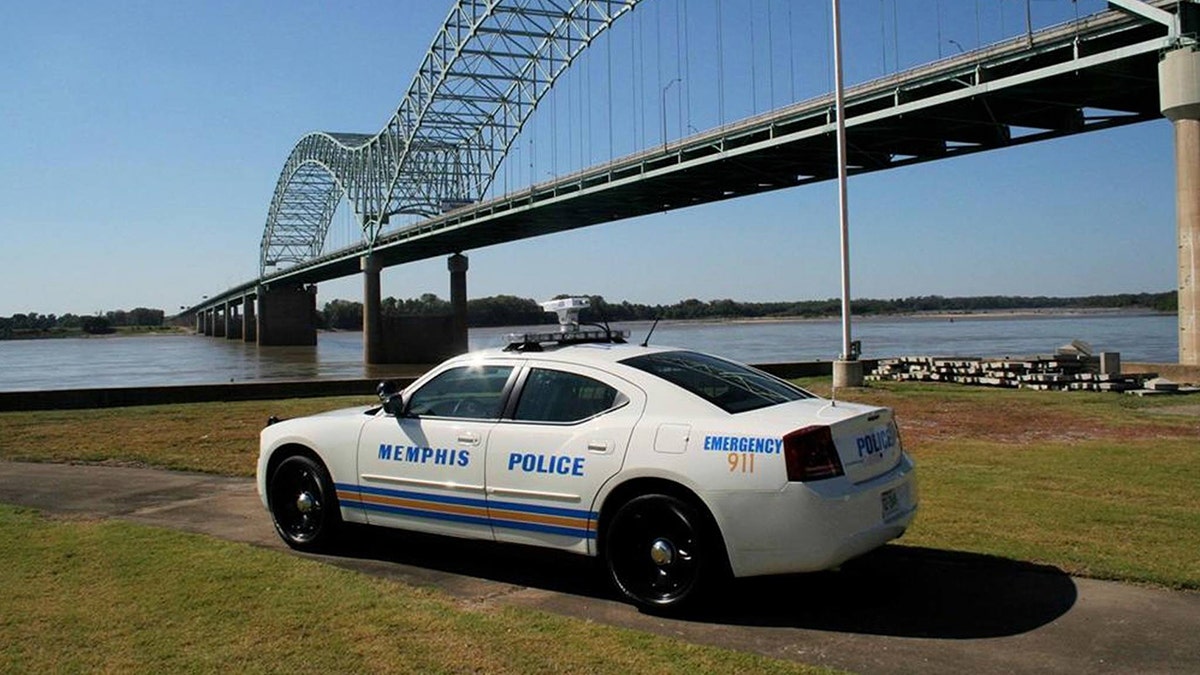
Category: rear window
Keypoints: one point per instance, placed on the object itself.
(730, 386)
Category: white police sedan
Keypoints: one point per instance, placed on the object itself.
(676, 467)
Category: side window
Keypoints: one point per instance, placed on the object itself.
(471, 392)
(555, 396)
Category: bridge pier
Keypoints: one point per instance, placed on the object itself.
(286, 316)
(210, 321)
(373, 346)
(220, 320)
(200, 322)
(249, 323)
(413, 339)
(458, 264)
(1179, 93)
(233, 321)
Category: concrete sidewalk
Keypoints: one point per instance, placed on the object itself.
(900, 610)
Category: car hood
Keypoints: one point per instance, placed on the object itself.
(346, 412)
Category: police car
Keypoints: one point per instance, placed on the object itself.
(677, 468)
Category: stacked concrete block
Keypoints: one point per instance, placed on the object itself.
(1056, 372)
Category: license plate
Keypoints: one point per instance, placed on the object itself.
(891, 503)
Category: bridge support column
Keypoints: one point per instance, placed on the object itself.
(249, 323)
(458, 265)
(1179, 93)
(220, 320)
(286, 316)
(233, 321)
(372, 311)
(210, 321)
(200, 322)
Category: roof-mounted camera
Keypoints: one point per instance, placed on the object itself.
(569, 330)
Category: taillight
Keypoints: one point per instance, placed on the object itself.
(810, 454)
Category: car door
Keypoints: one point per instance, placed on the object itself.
(424, 469)
(566, 434)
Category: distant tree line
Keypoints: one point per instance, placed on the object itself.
(498, 310)
(34, 324)
(508, 310)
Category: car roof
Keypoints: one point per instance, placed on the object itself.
(586, 353)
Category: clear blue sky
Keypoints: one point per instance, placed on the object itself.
(140, 143)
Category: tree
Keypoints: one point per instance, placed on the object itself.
(96, 325)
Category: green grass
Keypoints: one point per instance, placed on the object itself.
(89, 596)
(208, 437)
(1128, 511)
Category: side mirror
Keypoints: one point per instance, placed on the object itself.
(394, 405)
(386, 389)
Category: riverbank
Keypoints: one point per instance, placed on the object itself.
(79, 333)
(120, 397)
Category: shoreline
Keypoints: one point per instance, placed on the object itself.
(983, 314)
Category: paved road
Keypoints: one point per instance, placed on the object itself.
(900, 610)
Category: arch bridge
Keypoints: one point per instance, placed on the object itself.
(492, 62)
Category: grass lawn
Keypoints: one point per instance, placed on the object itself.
(1098, 485)
(87, 595)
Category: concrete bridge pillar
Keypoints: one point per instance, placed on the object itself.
(210, 321)
(249, 323)
(1179, 93)
(458, 265)
(233, 321)
(286, 315)
(220, 320)
(372, 311)
(200, 322)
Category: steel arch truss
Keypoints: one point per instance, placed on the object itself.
(488, 67)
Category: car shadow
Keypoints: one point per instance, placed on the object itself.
(901, 591)
(905, 591)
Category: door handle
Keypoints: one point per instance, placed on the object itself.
(467, 438)
(599, 446)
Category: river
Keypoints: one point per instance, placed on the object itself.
(186, 359)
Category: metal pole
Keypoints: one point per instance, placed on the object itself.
(843, 211)
(1028, 24)
(664, 111)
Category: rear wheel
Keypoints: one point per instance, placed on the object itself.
(303, 503)
(660, 552)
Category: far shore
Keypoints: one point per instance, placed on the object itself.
(123, 332)
(1047, 312)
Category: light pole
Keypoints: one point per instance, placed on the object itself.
(664, 111)
(847, 370)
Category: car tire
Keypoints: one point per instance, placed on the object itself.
(661, 553)
(303, 504)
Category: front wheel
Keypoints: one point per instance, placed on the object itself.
(659, 551)
(303, 504)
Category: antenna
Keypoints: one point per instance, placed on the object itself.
(646, 342)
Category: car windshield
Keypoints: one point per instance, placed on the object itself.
(730, 386)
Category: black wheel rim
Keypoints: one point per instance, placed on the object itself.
(655, 555)
(297, 501)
